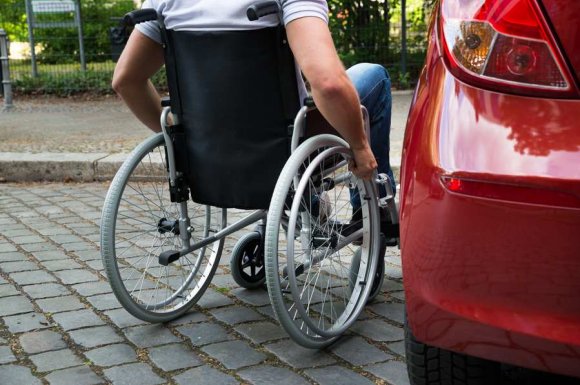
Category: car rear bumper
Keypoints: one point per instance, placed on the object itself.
(493, 271)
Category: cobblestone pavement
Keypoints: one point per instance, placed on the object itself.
(61, 324)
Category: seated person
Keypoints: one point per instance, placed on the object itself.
(337, 92)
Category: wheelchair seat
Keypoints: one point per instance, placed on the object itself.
(235, 95)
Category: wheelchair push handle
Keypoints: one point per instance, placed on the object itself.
(261, 9)
(139, 16)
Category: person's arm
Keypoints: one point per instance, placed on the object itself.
(332, 90)
(141, 59)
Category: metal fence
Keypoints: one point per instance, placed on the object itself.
(68, 46)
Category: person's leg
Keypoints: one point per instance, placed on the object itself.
(373, 85)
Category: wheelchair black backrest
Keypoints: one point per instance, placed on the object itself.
(235, 95)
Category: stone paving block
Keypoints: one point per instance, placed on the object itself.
(53, 230)
(204, 375)
(224, 281)
(93, 337)
(394, 372)
(268, 375)
(61, 264)
(189, 318)
(17, 375)
(378, 330)
(97, 265)
(46, 290)
(261, 332)
(51, 255)
(80, 375)
(173, 357)
(6, 355)
(59, 359)
(14, 305)
(234, 354)
(77, 319)
(42, 341)
(268, 311)
(7, 248)
(122, 319)
(8, 291)
(86, 230)
(236, 314)
(13, 256)
(150, 335)
(13, 267)
(398, 348)
(390, 285)
(299, 357)
(337, 375)
(70, 277)
(256, 297)
(80, 246)
(393, 271)
(88, 255)
(60, 304)
(357, 351)
(212, 298)
(16, 231)
(39, 247)
(104, 301)
(32, 277)
(133, 374)
(392, 311)
(26, 322)
(111, 355)
(92, 288)
(204, 333)
(27, 239)
(63, 239)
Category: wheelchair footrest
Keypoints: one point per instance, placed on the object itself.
(169, 256)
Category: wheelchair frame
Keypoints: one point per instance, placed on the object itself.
(315, 335)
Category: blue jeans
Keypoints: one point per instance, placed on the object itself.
(373, 85)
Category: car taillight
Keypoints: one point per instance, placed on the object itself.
(503, 45)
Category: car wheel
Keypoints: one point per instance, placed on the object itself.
(428, 365)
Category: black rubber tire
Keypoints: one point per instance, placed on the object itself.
(249, 245)
(428, 365)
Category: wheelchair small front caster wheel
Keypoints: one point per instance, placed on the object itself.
(247, 262)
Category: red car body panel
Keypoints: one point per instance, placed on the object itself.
(494, 272)
(564, 17)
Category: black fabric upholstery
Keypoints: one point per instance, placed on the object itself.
(235, 93)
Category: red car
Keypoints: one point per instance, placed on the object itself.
(490, 194)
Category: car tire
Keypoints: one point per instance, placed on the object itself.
(428, 365)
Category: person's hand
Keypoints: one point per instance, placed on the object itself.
(363, 163)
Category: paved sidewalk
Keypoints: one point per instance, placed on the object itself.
(48, 139)
(60, 323)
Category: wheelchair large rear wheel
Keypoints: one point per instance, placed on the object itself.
(310, 248)
(139, 222)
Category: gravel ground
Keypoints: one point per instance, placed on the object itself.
(69, 125)
(104, 125)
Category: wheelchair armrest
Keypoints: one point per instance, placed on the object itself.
(165, 101)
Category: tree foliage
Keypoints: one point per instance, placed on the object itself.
(61, 45)
(361, 28)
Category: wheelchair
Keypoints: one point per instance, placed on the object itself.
(164, 219)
